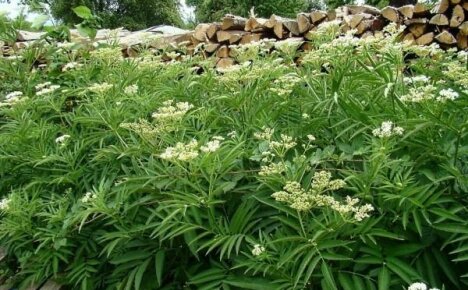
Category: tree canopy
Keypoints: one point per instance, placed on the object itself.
(131, 14)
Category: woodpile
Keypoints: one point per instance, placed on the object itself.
(446, 24)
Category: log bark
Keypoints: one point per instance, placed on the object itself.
(331, 15)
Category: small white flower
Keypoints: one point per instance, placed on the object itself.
(258, 250)
(89, 196)
(131, 90)
(311, 138)
(305, 116)
(62, 139)
(71, 66)
(211, 146)
(447, 94)
(387, 129)
(417, 286)
(4, 204)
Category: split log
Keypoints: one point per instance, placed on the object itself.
(212, 47)
(353, 20)
(356, 9)
(439, 19)
(420, 9)
(292, 26)
(51, 285)
(303, 22)
(465, 5)
(211, 32)
(317, 16)
(407, 11)
(455, 2)
(225, 62)
(417, 29)
(331, 15)
(279, 30)
(255, 24)
(464, 28)
(441, 7)
(232, 22)
(364, 26)
(446, 37)
(462, 40)
(200, 32)
(222, 52)
(391, 14)
(249, 38)
(409, 37)
(231, 36)
(458, 16)
(425, 38)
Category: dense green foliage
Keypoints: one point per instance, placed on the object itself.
(214, 10)
(131, 14)
(103, 186)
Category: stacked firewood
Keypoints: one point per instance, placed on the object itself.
(445, 24)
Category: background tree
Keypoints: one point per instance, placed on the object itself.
(131, 14)
(214, 10)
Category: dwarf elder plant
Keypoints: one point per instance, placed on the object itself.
(347, 171)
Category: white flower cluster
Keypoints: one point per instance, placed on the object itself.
(89, 196)
(303, 200)
(4, 204)
(213, 145)
(189, 151)
(420, 286)
(447, 94)
(249, 51)
(181, 151)
(286, 142)
(288, 46)
(143, 128)
(12, 98)
(419, 94)
(272, 169)
(71, 66)
(387, 129)
(258, 250)
(265, 135)
(131, 90)
(456, 71)
(62, 139)
(46, 88)
(284, 85)
(108, 54)
(100, 88)
(421, 79)
(172, 112)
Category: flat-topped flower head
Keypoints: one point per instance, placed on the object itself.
(388, 129)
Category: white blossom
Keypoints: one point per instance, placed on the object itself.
(417, 286)
(258, 250)
(62, 139)
(387, 129)
(447, 94)
(89, 196)
(4, 203)
(131, 90)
